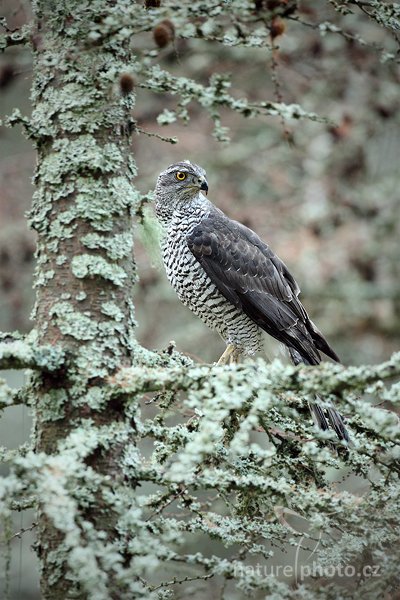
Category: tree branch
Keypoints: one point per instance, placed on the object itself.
(328, 378)
(10, 396)
(14, 38)
(22, 354)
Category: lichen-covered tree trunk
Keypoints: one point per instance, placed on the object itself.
(85, 269)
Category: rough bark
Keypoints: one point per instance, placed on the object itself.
(84, 277)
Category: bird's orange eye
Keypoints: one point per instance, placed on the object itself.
(180, 175)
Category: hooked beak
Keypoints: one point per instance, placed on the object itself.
(204, 186)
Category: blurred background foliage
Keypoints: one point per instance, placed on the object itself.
(325, 196)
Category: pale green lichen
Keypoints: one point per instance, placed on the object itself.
(100, 205)
(90, 265)
(117, 246)
(73, 323)
(9, 396)
(112, 310)
(95, 398)
(77, 157)
(52, 404)
(21, 354)
(44, 277)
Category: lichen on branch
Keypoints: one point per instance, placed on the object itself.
(26, 354)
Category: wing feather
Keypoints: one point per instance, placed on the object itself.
(253, 278)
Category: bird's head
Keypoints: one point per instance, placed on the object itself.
(181, 181)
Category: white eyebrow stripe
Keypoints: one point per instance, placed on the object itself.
(176, 169)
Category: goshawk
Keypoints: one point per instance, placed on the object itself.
(232, 280)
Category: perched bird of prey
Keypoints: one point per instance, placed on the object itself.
(232, 280)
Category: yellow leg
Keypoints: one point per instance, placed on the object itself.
(230, 355)
(235, 356)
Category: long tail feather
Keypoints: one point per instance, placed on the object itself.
(329, 416)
